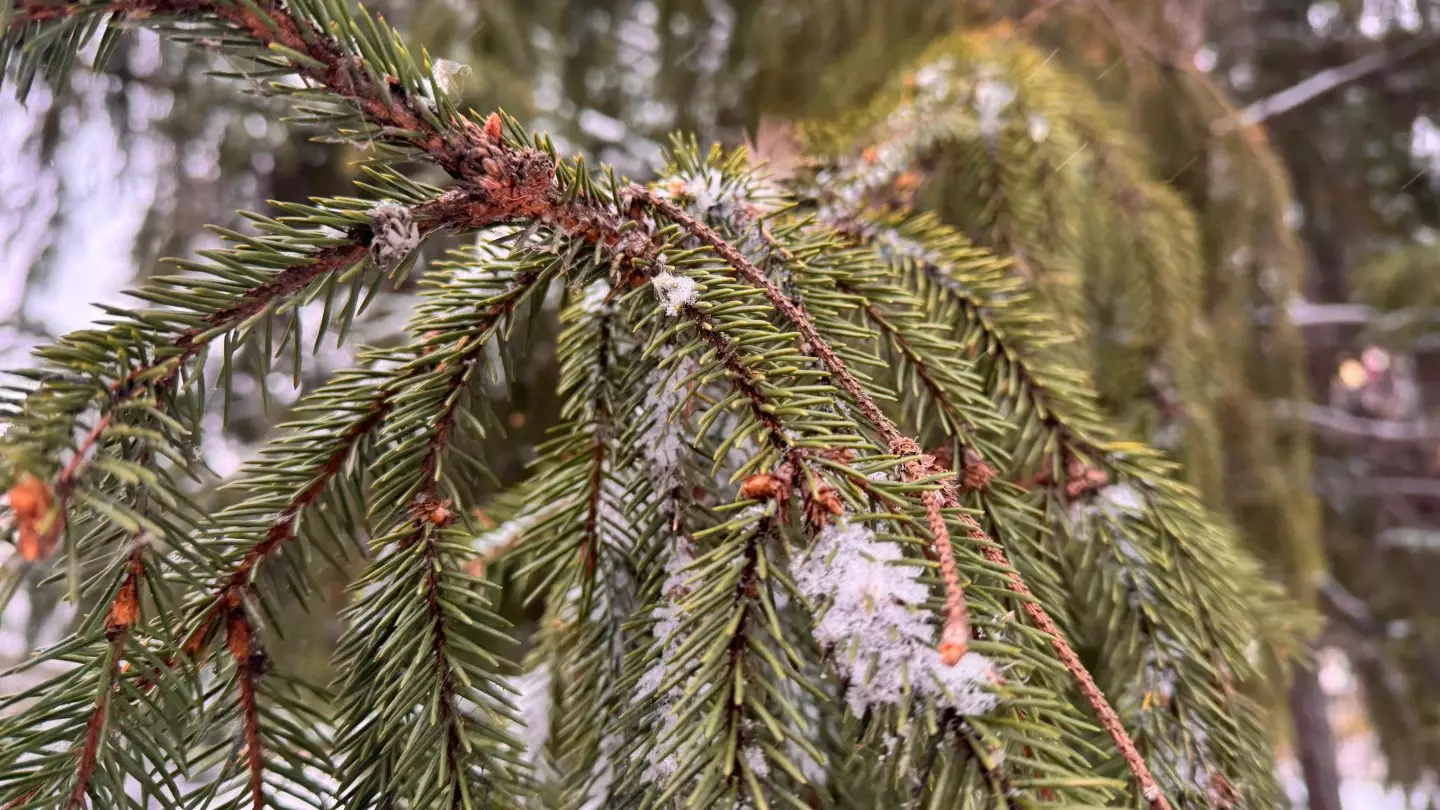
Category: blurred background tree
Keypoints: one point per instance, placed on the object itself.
(1291, 365)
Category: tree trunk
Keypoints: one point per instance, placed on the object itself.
(1314, 741)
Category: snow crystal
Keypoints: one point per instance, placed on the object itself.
(663, 760)
(705, 190)
(874, 620)
(755, 758)
(533, 704)
(1038, 127)
(932, 77)
(662, 442)
(447, 74)
(992, 96)
(674, 292)
(597, 796)
(667, 615)
(813, 771)
(395, 235)
(594, 301)
(504, 534)
(651, 680)
(1123, 498)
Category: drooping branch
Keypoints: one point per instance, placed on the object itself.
(918, 467)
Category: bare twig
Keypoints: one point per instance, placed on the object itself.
(1306, 313)
(1324, 82)
(1339, 422)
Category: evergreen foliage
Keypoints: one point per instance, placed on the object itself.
(835, 515)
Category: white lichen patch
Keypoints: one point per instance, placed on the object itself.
(395, 237)
(872, 616)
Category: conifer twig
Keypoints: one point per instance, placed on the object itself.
(284, 528)
(120, 618)
(452, 210)
(955, 634)
(902, 445)
(249, 666)
(590, 552)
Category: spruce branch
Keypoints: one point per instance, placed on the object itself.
(417, 571)
(300, 41)
(753, 330)
(285, 527)
(249, 665)
(1016, 343)
(122, 615)
(220, 315)
(918, 467)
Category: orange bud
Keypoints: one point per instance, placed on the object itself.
(125, 610)
(761, 485)
(29, 497)
(38, 520)
(951, 652)
(237, 636)
(493, 127)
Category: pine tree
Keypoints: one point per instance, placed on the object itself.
(837, 513)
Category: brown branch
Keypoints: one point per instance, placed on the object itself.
(1149, 790)
(283, 530)
(249, 662)
(36, 11)
(590, 551)
(787, 307)
(922, 467)
(461, 151)
(428, 513)
(955, 634)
